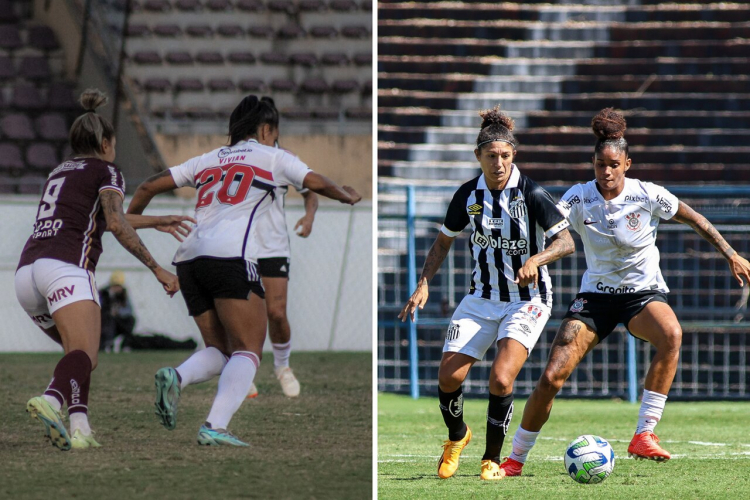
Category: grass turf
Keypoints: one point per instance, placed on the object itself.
(709, 442)
(314, 446)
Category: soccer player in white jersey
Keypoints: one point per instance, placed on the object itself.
(511, 292)
(617, 218)
(218, 276)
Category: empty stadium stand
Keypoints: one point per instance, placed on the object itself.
(679, 70)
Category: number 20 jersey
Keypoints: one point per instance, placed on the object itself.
(619, 235)
(235, 188)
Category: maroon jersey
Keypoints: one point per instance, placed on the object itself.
(70, 223)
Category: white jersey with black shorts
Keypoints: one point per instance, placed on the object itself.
(619, 241)
(508, 226)
(236, 188)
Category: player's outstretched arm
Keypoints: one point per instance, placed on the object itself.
(326, 187)
(739, 266)
(304, 225)
(562, 244)
(156, 184)
(128, 238)
(176, 225)
(435, 257)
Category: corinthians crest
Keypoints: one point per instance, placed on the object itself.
(577, 305)
(517, 208)
(634, 221)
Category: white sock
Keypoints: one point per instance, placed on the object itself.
(281, 354)
(80, 421)
(652, 406)
(53, 401)
(234, 383)
(201, 366)
(523, 442)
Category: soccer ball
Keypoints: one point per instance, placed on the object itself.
(589, 459)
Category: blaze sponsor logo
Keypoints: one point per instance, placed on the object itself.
(577, 305)
(634, 221)
(453, 332)
(61, 293)
(517, 208)
(636, 199)
(474, 209)
(610, 289)
(47, 228)
(567, 204)
(511, 247)
(495, 222)
(666, 205)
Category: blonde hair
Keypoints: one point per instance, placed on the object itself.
(90, 129)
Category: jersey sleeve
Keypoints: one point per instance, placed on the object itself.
(456, 218)
(291, 171)
(112, 180)
(185, 174)
(570, 205)
(663, 203)
(546, 213)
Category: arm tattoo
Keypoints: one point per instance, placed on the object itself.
(124, 232)
(562, 245)
(704, 228)
(434, 260)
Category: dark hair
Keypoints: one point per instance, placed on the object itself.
(609, 128)
(496, 126)
(250, 114)
(90, 129)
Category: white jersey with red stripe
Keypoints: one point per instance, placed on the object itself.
(271, 237)
(235, 189)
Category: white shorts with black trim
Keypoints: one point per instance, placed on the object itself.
(479, 323)
(48, 284)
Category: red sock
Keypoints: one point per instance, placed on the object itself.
(71, 381)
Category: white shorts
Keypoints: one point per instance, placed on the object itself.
(478, 323)
(48, 284)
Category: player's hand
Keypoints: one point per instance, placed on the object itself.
(740, 268)
(176, 225)
(528, 274)
(303, 227)
(168, 280)
(355, 196)
(417, 299)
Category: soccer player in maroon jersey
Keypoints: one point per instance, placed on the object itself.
(55, 277)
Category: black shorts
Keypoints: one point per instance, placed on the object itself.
(203, 280)
(602, 312)
(274, 267)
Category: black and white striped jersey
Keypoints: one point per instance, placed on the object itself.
(508, 226)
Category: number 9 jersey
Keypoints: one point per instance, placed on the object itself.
(235, 187)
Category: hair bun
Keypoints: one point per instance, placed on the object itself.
(496, 117)
(609, 124)
(93, 98)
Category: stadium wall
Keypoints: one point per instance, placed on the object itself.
(330, 292)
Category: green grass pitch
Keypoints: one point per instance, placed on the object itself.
(709, 442)
(315, 446)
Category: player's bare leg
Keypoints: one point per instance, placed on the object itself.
(78, 327)
(573, 341)
(510, 357)
(658, 325)
(280, 333)
(454, 367)
(245, 324)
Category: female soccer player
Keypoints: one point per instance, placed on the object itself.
(510, 216)
(217, 274)
(617, 218)
(55, 277)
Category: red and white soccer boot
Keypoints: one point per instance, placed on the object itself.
(511, 467)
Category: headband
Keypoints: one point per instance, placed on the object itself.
(495, 140)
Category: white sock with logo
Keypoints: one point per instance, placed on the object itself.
(80, 421)
(652, 407)
(281, 354)
(234, 383)
(523, 442)
(201, 366)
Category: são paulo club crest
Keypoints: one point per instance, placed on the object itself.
(634, 221)
(577, 305)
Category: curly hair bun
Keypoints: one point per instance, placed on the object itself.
(608, 124)
(496, 117)
(92, 99)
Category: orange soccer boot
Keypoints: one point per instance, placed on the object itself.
(448, 463)
(646, 446)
